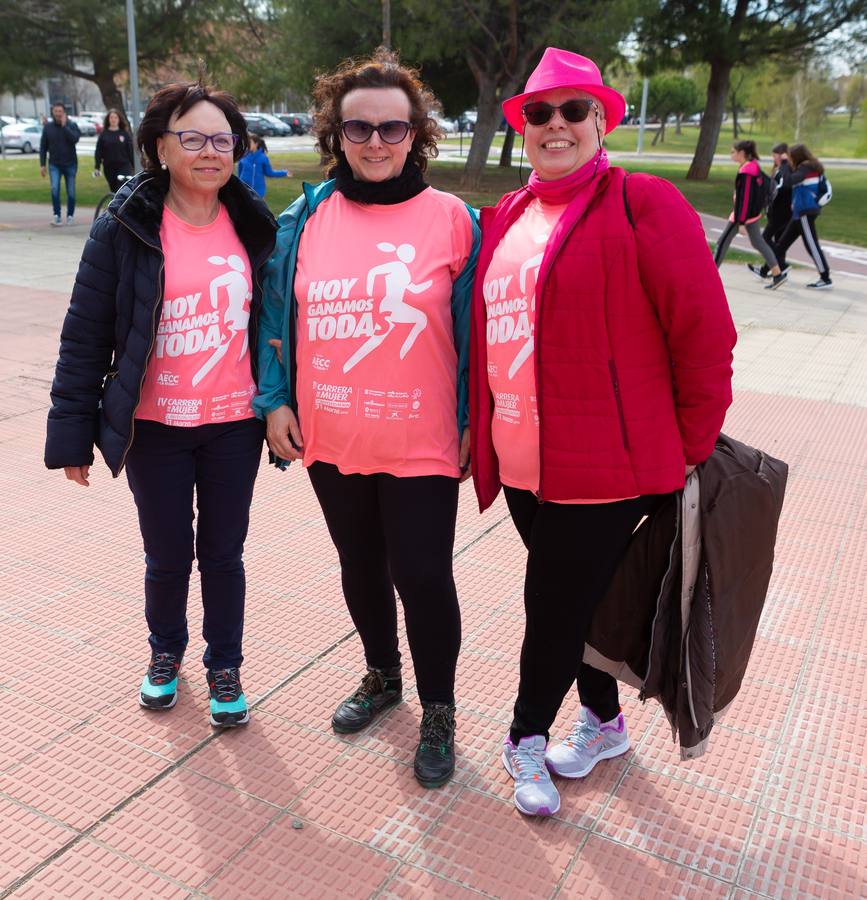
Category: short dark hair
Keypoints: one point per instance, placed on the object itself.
(782, 147)
(380, 70)
(176, 99)
(58, 103)
(747, 147)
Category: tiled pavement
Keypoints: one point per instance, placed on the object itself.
(98, 798)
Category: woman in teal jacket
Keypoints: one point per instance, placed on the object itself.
(368, 297)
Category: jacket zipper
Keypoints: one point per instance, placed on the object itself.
(157, 305)
(616, 384)
(642, 694)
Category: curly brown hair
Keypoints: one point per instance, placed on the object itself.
(382, 69)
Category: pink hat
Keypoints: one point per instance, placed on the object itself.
(562, 69)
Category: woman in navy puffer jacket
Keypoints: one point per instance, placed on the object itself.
(157, 369)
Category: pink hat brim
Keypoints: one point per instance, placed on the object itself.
(613, 101)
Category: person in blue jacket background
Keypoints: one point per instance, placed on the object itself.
(255, 166)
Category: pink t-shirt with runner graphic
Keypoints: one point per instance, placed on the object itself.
(199, 372)
(376, 359)
(510, 307)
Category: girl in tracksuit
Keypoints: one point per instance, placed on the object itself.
(747, 211)
(255, 166)
(806, 179)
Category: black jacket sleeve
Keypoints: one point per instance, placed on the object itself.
(87, 346)
(43, 148)
(742, 188)
(97, 153)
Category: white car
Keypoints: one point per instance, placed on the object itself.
(22, 137)
(449, 126)
(85, 126)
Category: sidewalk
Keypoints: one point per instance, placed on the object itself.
(99, 798)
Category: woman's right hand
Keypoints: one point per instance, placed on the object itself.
(78, 474)
(283, 434)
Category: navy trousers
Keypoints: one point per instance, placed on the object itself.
(166, 467)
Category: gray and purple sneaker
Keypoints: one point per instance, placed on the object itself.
(535, 794)
(589, 741)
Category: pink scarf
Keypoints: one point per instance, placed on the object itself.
(563, 190)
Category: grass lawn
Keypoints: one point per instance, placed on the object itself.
(844, 219)
(833, 138)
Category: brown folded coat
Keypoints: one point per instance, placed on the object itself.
(680, 617)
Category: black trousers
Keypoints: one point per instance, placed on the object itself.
(398, 533)
(165, 466)
(777, 222)
(574, 550)
(112, 170)
(805, 228)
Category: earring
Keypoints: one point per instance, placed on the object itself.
(163, 165)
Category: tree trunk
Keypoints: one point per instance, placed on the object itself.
(104, 80)
(735, 120)
(508, 146)
(717, 92)
(487, 120)
(677, 129)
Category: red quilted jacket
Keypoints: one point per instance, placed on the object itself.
(633, 341)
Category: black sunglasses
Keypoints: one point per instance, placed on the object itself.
(540, 113)
(359, 132)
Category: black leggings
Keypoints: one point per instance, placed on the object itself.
(398, 533)
(574, 550)
(805, 228)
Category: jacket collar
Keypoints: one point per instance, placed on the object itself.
(139, 206)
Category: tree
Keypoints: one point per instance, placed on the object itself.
(668, 94)
(854, 94)
(89, 40)
(725, 33)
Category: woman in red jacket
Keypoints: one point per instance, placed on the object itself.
(600, 376)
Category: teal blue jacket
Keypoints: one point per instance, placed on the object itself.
(279, 312)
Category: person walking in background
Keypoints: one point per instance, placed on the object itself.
(780, 207)
(600, 375)
(749, 203)
(807, 189)
(255, 167)
(368, 294)
(157, 367)
(59, 137)
(114, 149)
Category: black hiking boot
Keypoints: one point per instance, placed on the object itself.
(435, 756)
(379, 689)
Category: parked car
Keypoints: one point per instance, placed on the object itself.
(258, 125)
(300, 123)
(85, 126)
(19, 136)
(467, 120)
(281, 129)
(449, 126)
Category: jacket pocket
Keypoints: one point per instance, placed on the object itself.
(615, 383)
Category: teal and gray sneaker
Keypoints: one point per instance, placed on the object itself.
(159, 687)
(535, 794)
(228, 704)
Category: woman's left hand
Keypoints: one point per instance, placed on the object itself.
(690, 470)
(464, 455)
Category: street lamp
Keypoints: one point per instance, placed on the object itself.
(133, 70)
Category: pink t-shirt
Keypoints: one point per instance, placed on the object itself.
(376, 359)
(510, 307)
(199, 372)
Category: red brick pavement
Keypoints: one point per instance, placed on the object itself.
(99, 798)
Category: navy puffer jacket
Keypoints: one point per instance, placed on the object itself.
(109, 330)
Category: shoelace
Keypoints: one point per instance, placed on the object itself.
(436, 726)
(227, 684)
(582, 734)
(372, 683)
(163, 668)
(529, 763)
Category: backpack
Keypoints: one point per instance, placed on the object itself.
(763, 193)
(824, 193)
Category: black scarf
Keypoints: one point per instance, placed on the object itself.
(405, 186)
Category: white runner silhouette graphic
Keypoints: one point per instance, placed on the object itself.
(398, 280)
(236, 318)
(533, 264)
